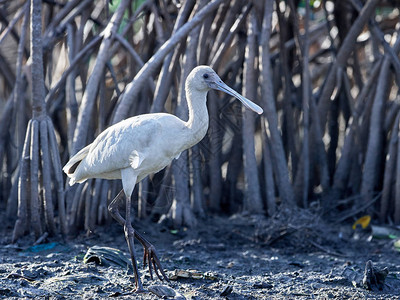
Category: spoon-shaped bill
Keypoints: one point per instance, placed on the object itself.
(221, 86)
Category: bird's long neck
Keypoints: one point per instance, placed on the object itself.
(197, 123)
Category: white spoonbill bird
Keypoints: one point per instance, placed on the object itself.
(138, 146)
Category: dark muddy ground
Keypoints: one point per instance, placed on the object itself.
(234, 258)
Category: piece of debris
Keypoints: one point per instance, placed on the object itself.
(42, 247)
(227, 290)
(385, 232)
(164, 291)
(192, 274)
(263, 285)
(41, 239)
(396, 245)
(105, 256)
(353, 276)
(363, 221)
(16, 275)
(185, 274)
(374, 278)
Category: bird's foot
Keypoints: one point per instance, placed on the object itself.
(139, 290)
(138, 285)
(150, 258)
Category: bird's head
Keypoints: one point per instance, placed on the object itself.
(204, 78)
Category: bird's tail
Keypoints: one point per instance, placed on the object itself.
(73, 163)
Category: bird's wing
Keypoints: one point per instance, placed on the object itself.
(71, 165)
(120, 146)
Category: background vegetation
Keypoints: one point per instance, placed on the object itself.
(325, 72)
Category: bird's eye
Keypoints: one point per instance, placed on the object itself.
(205, 76)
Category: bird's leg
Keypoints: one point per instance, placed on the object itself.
(150, 255)
(113, 208)
(130, 238)
(130, 233)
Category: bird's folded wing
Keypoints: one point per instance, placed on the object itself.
(121, 146)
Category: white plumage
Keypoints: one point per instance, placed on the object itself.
(131, 143)
(136, 147)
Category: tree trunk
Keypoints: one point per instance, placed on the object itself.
(389, 178)
(43, 153)
(375, 138)
(268, 103)
(252, 199)
(396, 215)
